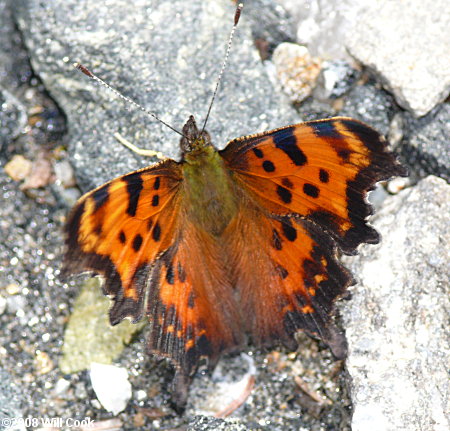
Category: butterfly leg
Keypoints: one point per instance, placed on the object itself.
(137, 150)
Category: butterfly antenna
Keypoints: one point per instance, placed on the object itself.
(88, 73)
(237, 15)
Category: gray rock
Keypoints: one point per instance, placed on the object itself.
(425, 146)
(335, 79)
(203, 423)
(14, 65)
(10, 404)
(152, 54)
(397, 321)
(407, 43)
(370, 104)
(323, 24)
(270, 22)
(13, 117)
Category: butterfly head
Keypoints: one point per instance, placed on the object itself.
(193, 138)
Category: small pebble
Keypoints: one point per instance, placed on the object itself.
(18, 168)
(296, 69)
(111, 386)
(43, 363)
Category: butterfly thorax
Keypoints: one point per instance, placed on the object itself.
(208, 192)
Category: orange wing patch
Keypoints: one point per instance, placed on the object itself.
(320, 170)
(120, 228)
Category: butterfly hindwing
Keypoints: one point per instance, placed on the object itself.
(293, 282)
(193, 313)
(320, 170)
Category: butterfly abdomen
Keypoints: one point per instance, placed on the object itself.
(209, 191)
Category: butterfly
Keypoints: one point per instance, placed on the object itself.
(237, 244)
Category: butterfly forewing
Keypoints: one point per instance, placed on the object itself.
(320, 170)
(118, 229)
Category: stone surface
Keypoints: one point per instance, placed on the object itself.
(397, 321)
(13, 117)
(426, 143)
(407, 44)
(335, 79)
(323, 24)
(270, 23)
(371, 104)
(176, 80)
(10, 404)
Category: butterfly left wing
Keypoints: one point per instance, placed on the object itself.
(319, 170)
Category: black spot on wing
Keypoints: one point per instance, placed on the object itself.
(282, 271)
(157, 183)
(287, 183)
(101, 196)
(284, 194)
(268, 166)
(258, 153)
(276, 240)
(137, 242)
(324, 176)
(288, 230)
(122, 237)
(156, 232)
(311, 190)
(155, 200)
(286, 141)
(170, 276)
(134, 187)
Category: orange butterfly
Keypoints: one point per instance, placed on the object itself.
(234, 243)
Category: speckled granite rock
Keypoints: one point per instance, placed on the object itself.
(406, 43)
(397, 321)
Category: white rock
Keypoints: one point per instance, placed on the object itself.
(408, 43)
(111, 386)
